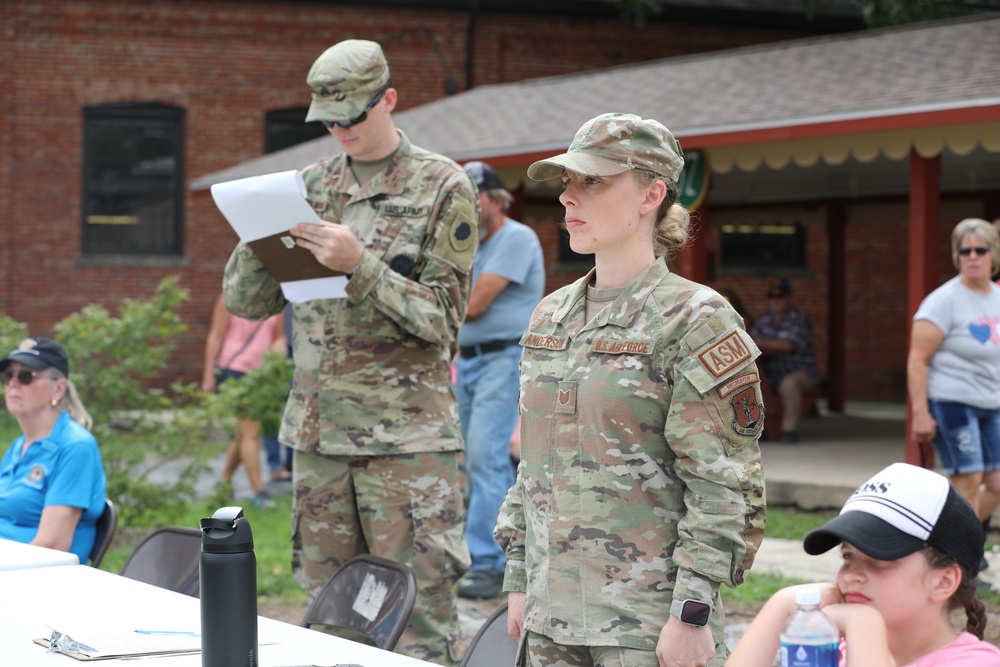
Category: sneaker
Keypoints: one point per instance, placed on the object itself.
(262, 500)
(481, 584)
(280, 474)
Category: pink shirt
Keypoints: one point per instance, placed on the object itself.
(965, 651)
(239, 329)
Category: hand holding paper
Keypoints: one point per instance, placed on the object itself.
(263, 210)
(333, 246)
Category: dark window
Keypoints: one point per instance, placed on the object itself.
(764, 245)
(288, 127)
(133, 180)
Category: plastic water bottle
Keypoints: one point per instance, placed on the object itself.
(228, 572)
(809, 638)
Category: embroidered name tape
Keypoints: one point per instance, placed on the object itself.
(609, 346)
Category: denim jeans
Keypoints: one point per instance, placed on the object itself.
(277, 454)
(967, 438)
(487, 389)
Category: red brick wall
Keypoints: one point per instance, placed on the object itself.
(227, 62)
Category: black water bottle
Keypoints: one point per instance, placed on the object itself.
(228, 571)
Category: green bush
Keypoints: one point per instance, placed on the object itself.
(260, 395)
(117, 363)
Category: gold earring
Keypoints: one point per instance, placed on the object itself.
(54, 402)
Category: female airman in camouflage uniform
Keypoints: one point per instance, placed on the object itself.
(640, 488)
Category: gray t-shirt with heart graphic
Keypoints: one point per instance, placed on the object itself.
(966, 368)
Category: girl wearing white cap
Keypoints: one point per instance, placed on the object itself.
(912, 549)
(640, 489)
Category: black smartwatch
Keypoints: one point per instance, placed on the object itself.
(692, 612)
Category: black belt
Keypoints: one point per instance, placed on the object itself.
(471, 351)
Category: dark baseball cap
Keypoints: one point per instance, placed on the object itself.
(484, 176)
(901, 510)
(39, 354)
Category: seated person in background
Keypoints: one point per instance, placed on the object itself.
(784, 335)
(912, 549)
(52, 478)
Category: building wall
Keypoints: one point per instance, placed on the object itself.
(228, 62)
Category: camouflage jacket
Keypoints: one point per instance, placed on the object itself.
(373, 370)
(640, 476)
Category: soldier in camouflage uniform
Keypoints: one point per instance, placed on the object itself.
(640, 487)
(372, 414)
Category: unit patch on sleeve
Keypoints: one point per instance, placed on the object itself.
(725, 355)
(748, 412)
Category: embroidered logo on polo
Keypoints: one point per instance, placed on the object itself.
(611, 346)
(725, 355)
(544, 341)
(566, 398)
(36, 474)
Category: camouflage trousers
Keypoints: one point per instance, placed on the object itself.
(407, 508)
(539, 651)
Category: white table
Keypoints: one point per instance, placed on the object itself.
(31, 599)
(20, 556)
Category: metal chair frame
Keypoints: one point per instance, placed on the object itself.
(369, 596)
(107, 524)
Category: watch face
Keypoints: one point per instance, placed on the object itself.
(695, 613)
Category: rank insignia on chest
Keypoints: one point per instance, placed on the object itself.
(566, 398)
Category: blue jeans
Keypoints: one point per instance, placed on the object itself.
(277, 454)
(487, 390)
(967, 438)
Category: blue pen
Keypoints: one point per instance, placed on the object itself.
(172, 633)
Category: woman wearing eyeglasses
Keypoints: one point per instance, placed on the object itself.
(52, 478)
(953, 370)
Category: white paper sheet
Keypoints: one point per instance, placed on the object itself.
(261, 206)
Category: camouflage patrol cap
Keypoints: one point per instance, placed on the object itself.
(345, 79)
(614, 143)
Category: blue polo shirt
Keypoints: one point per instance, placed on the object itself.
(62, 469)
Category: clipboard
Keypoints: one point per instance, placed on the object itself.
(42, 641)
(287, 261)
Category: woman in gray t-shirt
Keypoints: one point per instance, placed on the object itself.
(953, 370)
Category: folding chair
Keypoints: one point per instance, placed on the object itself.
(168, 557)
(106, 526)
(369, 597)
(492, 646)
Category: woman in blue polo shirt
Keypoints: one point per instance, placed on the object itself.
(52, 477)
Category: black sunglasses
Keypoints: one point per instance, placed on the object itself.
(364, 114)
(979, 250)
(23, 377)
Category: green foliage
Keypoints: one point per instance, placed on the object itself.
(261, 394)
(882, 13)
(636, 11)
(142, 428)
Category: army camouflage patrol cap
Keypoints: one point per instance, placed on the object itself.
(345, 79)
(614, 143)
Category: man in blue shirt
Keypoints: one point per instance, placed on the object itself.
(508, 281)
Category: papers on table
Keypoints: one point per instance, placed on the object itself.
(100, 644)
(262, 210)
